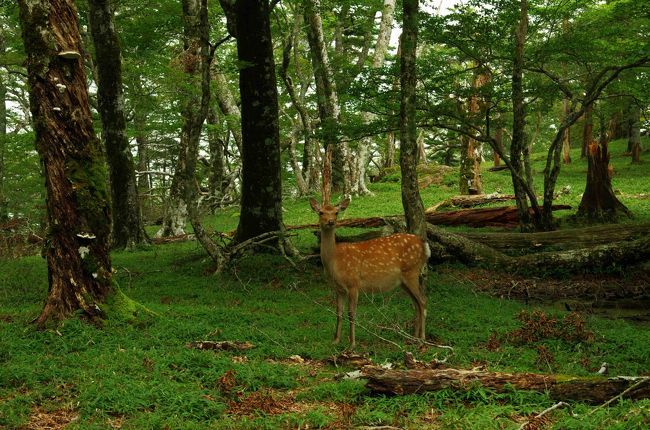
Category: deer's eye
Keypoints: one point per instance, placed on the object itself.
(320, 212)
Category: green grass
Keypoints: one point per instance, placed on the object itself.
(142, 376)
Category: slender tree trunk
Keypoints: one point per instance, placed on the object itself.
(261, 199)
(378, 60)
(217, 165)
(127, 225)
(144, 182)
(303, 176)
(498, 138)
(228, 106)
(471, 151)
(197, 59)
(587, 130)
(566, 137)
(77, 251)
(634, 132)
(518, 143)
(4, 211)
(411, 201)
(327, 97)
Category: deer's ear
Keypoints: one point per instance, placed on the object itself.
(343, 205)
(314, 205)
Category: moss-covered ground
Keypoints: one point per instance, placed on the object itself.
(141, 375)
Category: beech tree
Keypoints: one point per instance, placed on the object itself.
(261, 197)
(411, 201)
(127, 225)
(77, 248)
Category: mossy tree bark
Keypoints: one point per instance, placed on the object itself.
(127, 225)
(3, 137)
(261, 200)
(594, 390)
(77, 252)
(411, 200)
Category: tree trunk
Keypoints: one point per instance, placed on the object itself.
(196, 98)
(566, 137)
(77, 251)
(587, 130)
(378, 59)
(471, 151)
(498, 138)
(411, 201)
(519, 118)
(599, 203)
(127, 224)
(228, 106)
(144, 178)
(216, 181)
(593, 390)
(634, 132)
(261, 199)
(327, 97)
(4, 211)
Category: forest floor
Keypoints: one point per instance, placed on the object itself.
(145, 375)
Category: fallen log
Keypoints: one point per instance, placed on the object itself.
(560, 239)
(615, 254)
(505, 216)
(593, 390)
(471, 201)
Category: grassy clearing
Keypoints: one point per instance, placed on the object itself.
(141, 376)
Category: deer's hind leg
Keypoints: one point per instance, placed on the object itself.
(411, 284)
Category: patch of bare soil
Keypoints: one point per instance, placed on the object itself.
(625, 296)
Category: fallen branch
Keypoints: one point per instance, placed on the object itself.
(224, 345)
(593, 390)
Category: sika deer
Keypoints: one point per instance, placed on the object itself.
(377, 265)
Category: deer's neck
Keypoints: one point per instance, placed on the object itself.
(327, 247)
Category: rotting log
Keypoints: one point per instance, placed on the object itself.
(505, 216)
(469, 201)
(560, 239)
(616, 254)
(593, 390)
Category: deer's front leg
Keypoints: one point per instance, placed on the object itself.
(353, 296)
(340, 302)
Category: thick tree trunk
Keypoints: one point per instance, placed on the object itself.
(77, 252)
(599, 203)
(411, 201)
(261, 199)
(594, 390)
(127, 225)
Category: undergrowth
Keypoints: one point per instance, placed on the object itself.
(142, 375)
